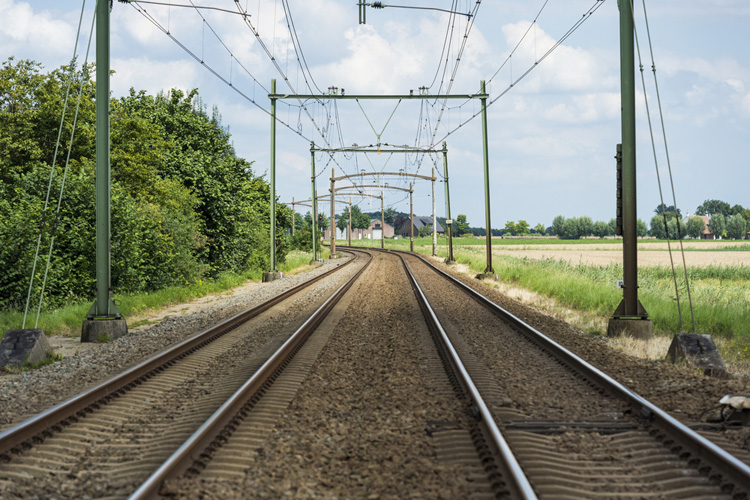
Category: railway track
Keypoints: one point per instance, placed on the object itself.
(110, 437)
(576, 432)
(365, 399)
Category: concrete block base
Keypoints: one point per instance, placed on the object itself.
(272, 276)
(103, 330)
(636, 328)
(698, 350)
(488, 276)
(19, 347)
(318, 262)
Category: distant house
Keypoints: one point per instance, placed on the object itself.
(419, 222)
(706, 234)
(372, 232)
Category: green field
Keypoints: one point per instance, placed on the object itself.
(720, 294)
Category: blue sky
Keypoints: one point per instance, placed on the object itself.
(552, 136)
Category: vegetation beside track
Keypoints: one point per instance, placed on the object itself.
(720, 294)
(67, 320)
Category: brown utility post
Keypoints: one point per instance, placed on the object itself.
(411, 217)
(382, 220)
(448, 221)
(333, 219)
(349, 228)
(434, 217)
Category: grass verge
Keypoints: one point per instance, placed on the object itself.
(67, 320)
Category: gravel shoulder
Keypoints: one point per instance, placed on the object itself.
(85, 364)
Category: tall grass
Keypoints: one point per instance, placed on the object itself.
(720, 294)
(67, 320)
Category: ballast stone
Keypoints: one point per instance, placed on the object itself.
(19, 347)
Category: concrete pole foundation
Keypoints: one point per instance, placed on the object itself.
(636, 328)
(103, 330)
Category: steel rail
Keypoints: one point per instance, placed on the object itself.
(515, 478)
(196, 445)
(56, 416)
(732, 469)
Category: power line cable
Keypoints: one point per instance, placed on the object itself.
(54, 160)
(586, 16)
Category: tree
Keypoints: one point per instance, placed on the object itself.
(557, 225)
(695, 227)
(736, 227)
(717, 225)
(359, 220)
(425, 231)
(666, 208)
(712, 207)
(601, 229)
(641, 229)
(612, 227)
(343, 221)
(522, 227)
(461, 226)
(570, 230)
(585, 226)
(389, 215)
(736, 209)
(540, 229)
(659, 231)
(510, 228)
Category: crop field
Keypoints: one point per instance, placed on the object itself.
(576, 280)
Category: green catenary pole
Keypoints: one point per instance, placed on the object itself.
(273, 178)
(485, 148)
(630, 306)
(103, 306)
(630, 317)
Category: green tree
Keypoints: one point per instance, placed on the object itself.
(461, 226)
(666, 208)
(360, 220)
(510, 228)
(557, 224)
(522, 227)
(601, 229)
(736, 209)
(389, 215)
(641, 229)
(612, 227)
(712, 207)
(570, 230)
(183, 204)
(695, 226)
(540, 229)
(342, 222)
(717, 225)
(425, 231)
(736, 227)
(585, 226)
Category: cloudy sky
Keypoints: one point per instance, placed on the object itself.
(552, 134)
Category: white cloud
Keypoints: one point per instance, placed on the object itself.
(27, 33)
(140, 74)
(567, 69)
